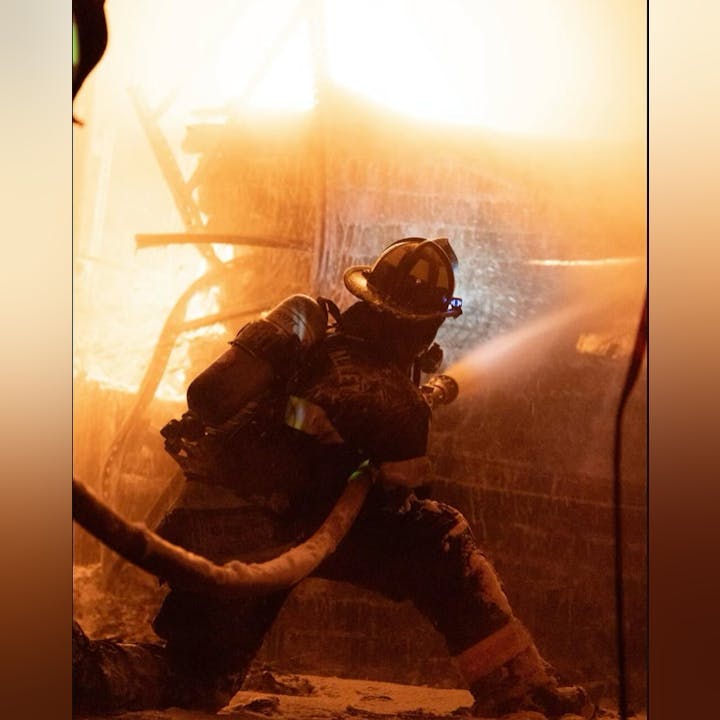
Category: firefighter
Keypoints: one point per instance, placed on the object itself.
(279, 422)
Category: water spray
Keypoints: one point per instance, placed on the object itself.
(507, 356)
(504, 358)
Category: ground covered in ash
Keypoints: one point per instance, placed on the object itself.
(272, 695)
(268, 693)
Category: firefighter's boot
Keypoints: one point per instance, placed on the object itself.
(503, 668)
(506, 674)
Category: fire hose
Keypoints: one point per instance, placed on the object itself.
(184, 569)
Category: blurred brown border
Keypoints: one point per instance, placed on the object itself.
(35, 284)
(684, 491)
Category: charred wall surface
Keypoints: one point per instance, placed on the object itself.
(528, 462)
(532, 472)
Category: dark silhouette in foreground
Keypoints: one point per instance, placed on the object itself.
(281, 421)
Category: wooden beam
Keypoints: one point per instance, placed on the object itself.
(145, 240)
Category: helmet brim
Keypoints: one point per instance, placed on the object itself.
(356, 282)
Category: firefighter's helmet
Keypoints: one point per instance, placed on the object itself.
(412, 279)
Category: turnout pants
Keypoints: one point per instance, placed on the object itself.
(420, 550)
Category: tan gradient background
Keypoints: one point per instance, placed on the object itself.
(35, 302)
(684, 360)
(35, 432)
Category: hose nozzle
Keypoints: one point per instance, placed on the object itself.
(440, 390)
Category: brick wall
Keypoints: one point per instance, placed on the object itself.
(536, 485)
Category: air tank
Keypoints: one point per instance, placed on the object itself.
(263, 351)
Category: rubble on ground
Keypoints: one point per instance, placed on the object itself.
(273, 695)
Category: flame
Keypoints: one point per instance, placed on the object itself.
(554, 67)
(517, 66)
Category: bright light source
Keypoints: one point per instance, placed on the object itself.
(552, 67)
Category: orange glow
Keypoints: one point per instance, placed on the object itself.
(541, 67)
(554, 67)
(547, 67)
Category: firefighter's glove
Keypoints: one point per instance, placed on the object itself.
(189, 427)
